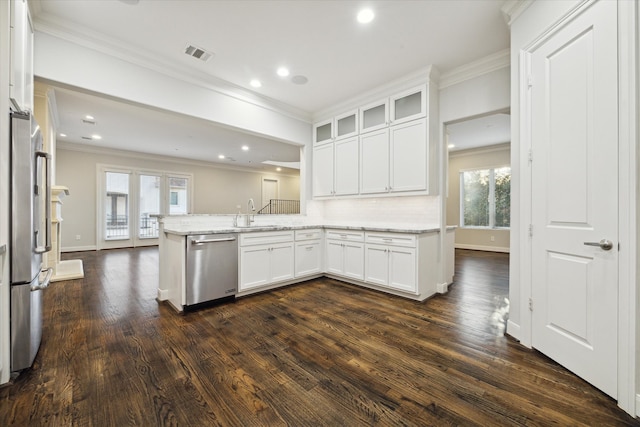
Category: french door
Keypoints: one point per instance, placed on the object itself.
(131, 200)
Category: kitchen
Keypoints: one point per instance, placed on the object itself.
(56, 61)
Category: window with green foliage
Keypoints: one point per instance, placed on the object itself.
(485, 198)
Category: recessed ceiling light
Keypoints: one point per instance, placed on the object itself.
(255, 83)
(88, 117)
(96, 136)
(278, 169)
(245, 148)
(451, 145)
(283, 71)
(221, 156)
(62, 135)
(365, 16)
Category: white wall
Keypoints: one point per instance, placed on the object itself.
(73, 64)
(215, 189)
(393, 210)
(477, 96)
(486, 157)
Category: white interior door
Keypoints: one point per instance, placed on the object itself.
(574, 131)
(269, 191)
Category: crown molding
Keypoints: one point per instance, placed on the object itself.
(493, 62)
(514, 8)
(428, 74)
(90, 39)
(69, 146)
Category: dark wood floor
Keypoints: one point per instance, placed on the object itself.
(318, 353)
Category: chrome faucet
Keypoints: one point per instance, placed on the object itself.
(251, 207)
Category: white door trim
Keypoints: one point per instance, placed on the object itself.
(628, 18)
(628, 44)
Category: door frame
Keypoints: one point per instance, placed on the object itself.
(628, 17)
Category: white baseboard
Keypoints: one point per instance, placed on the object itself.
(78, 248)
(163, 294)
(513, 329)
(442, 288)
(482, 248)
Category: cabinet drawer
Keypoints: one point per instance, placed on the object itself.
(260, 238)
(310, 234)
(395, 239)
(350, 235)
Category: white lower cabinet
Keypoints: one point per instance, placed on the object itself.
(308, 258)
(400, 263)
(391, 261)
(392, 267)
(269, 262)
(345, 254)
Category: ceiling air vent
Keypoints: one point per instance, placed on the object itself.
(88, 138)
(88, 122)
(198, 52)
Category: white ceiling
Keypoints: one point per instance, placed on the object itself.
(320, 40)
(479, 132)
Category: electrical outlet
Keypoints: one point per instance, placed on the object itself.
(77, 237)
(493, 238)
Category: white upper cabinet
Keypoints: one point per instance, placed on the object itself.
(408, 105)
(374, 162)
(346, 167)
(408, 156)
(383, 147)
(323, 132)
(21, 72)
(346, 125)
(323, 171)
(336, 168)
(374, 116)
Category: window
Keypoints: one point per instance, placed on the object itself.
(178, 199)
(485, 198)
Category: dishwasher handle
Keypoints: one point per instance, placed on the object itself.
(225, 239)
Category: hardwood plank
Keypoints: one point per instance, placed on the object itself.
(318, 353)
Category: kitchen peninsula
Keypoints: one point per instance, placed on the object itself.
(402, 260)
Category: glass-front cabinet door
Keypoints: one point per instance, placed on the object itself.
(323, 132)
(347, 125)
(409, 105)
(374, 116)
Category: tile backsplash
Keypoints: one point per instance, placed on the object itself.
(406, 209)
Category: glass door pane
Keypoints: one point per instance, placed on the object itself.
(149, 204)
(116, 206)
(178, 195)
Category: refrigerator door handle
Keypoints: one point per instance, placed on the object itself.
(45, 283)
(47, 208)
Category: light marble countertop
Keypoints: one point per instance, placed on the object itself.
(193, 229)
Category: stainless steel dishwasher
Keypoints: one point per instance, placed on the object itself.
(212, 267)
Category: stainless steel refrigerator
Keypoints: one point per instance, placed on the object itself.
(30, 237)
